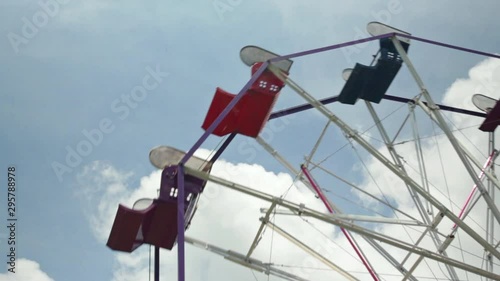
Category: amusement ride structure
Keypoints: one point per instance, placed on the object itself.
(162, 222)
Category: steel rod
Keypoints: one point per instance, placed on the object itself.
(340, 223)
(323, 198)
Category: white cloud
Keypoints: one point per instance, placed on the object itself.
(224, 218)
(26, 270)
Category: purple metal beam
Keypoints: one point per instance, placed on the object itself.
(223, 147)
(157, 263)
(180, 222)
(224, 113)
(300, 108)
(296, 109)
(180, 198)
(450, 46)
(355, 42)
(443, 107)
(306, 106)
(331, 47)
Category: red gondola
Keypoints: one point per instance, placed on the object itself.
(249, 116)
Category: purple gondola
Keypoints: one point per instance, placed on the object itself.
(156, 224)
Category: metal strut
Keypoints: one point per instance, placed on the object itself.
(341, 223)
(322, 109)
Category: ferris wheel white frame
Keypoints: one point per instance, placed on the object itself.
(419, 191)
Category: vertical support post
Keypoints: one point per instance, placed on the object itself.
(420, 157)
(180, 222)
(490, 223)
(157, 263)
(395, 157)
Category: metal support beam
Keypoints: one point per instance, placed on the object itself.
(259, 232)
(157, 263)
(437, 220)
(348, 217)
(416, 198)
(341, 223)
(420, 156)
(180, 223)
(298, 174)
(348, 236)
(240, 259)
(364, 192)
(397, 160)
(306, 248)
(489, 175)
(284, 162)
(490, 224)
(440, 119)
(393, 168)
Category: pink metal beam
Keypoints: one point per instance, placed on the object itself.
(488, 163)
(330, 209)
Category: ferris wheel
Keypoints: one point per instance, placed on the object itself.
(408, 219)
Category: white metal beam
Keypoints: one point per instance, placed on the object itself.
(341, 223)
(349, 217)
(242, 260)
(393, 168)
(440, 119)
(308, 249)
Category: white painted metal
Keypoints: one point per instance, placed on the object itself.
(253, 54)
(308, 249)
(489, 175)
(348, 218)
(378, 28)
(346, 73)
(240, 259)
(164, 156)
(483, 102)
(298, 174)
(259, 232)
(341, 223)
(393, 168)
(440, 119)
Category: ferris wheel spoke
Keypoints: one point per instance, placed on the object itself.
(309, 250)
(393, 168)
(397, 160)
(341, 223)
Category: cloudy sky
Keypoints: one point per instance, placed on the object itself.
(80, 143)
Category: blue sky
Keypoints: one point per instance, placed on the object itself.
(71, 75)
